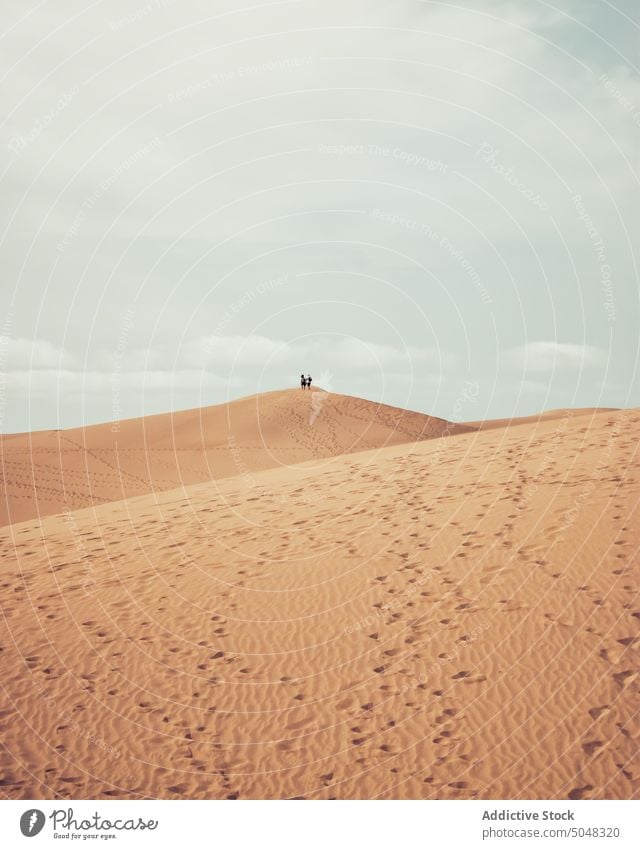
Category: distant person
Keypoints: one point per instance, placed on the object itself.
(303, 381)
(308, 381)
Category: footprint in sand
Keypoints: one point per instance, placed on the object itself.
(592, 746)
(596, 712)
(178, 789)
(622, 678)
(579, 792)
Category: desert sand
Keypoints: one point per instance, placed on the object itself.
(53, 471)
(338, 609)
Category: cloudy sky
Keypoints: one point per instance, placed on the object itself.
(201, 200)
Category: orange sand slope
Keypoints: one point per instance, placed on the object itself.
(52, 471)
(456, 618)
(548, 415)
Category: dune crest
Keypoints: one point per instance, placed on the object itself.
(49, 472)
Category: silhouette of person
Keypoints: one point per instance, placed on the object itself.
(303, 381)
(308, 381)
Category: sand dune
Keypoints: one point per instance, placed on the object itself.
(548, 415)
(453, 618)
(52, 471)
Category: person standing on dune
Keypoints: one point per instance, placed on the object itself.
(308, 381)
(303, 381)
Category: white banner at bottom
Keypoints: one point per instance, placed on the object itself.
(317, 825)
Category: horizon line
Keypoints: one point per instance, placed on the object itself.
(293, 390)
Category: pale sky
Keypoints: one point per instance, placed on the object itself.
(405, 199)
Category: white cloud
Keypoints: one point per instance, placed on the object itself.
(545, 357)
(222, 354)
(48, 383)
(36, 354)
(37, 365)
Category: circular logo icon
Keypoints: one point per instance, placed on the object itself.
(32, 822)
